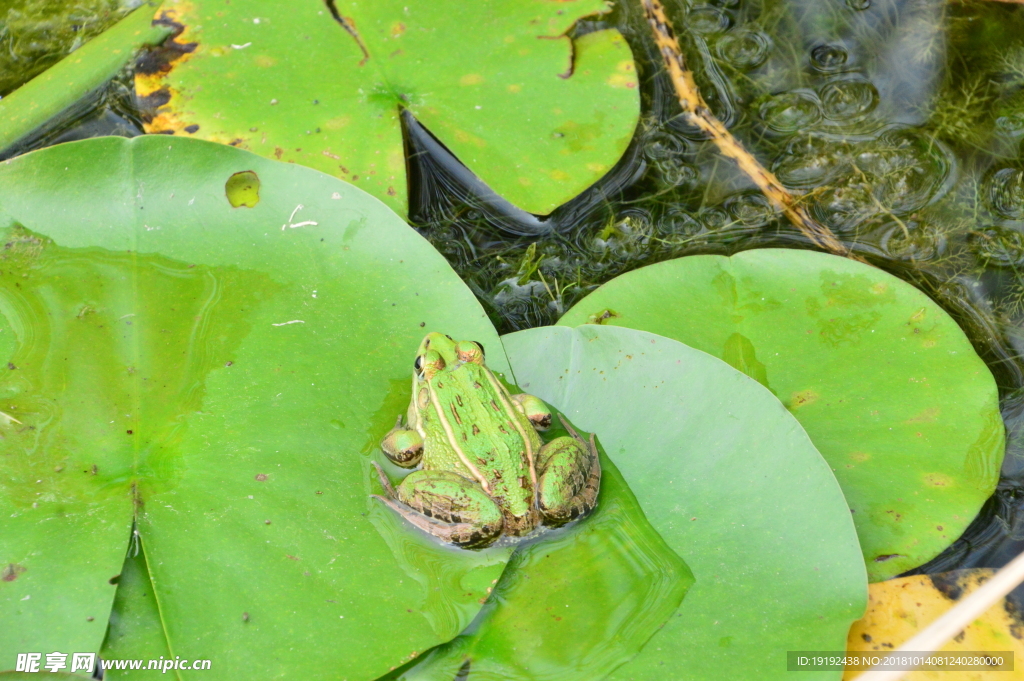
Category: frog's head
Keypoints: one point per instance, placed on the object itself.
(439, 352)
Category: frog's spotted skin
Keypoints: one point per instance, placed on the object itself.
(483, 470)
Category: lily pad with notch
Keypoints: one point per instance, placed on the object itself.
(537, 115)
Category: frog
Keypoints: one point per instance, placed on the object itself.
(482, 471)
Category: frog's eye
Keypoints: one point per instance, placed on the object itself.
(430, 363)
(470, 352)
(418, 365)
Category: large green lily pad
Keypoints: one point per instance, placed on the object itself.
(220, 375)
(733, 485)
(538, 116)
(885, 382)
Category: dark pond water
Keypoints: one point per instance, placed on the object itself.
(901, 121)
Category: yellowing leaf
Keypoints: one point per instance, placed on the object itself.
(900, 608)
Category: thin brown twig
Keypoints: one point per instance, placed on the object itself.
(697, 112)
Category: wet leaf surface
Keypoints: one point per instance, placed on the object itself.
(538, 116)
(887, 385)
(575, 604)
(222, 374)
(732, 484)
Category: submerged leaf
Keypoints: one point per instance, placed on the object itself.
(74, 77)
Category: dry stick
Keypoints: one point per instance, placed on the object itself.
(936, 634)
(697, 113)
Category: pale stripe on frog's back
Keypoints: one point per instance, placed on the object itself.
(505, 465)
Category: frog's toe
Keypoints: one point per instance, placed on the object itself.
(384, 481)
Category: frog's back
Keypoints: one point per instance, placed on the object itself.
(488, 433)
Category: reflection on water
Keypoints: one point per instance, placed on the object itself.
(452, 590)
(574, 604)
(152, 330)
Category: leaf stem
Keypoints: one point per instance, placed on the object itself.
(697, 113)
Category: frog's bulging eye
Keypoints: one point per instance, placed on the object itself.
(430, 363)
(418, 365)
(470, 352)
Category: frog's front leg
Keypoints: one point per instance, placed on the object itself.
(446, 505)
(403, 446)
(570, 475)
(535, 409)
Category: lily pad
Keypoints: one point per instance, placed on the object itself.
(885, 382)
(220, 376)
(536, 115)
(731, 482)
(535, 623)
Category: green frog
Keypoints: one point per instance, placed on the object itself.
(483, 471)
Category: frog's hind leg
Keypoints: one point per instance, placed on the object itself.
(570, 476)
(446, 505)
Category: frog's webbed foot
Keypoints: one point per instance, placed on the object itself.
(570, 476)
(446, 505)
(402, 446)
(535, 409)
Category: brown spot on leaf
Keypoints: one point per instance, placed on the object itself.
(803, 398)
(260, 477)
(153, 101)
(162, 59)
(11, 572)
